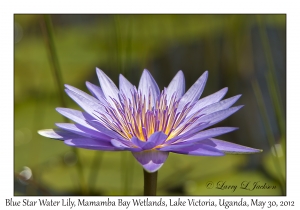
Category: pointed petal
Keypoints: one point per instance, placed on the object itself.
(57, 134)
(194, 149)
(96, 91)
(93, 144)
(148, 86)
(221, 105)
(91, 106)
(73, 139)
(194, 92)
(125, 86)
(76, 116)
(213, 98)
(213, 132)
(224, 104)
(108, 87)
(229, 147)
(176, 86)
(151, 160)
(82, 93)
(82, 131)
(216, 117)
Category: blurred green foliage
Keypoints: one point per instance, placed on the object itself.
(236, 49)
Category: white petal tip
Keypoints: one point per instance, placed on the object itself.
(99, 71)
(41, 132)
(67, 86)
(46, 132)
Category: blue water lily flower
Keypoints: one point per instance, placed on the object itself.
(146, 121)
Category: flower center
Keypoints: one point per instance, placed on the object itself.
(137, 117)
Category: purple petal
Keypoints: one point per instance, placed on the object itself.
(225, 104)
(93, 144)
(216, 117)
(137, 142)
(213, 132)
(123, 146)
(229, 147)
(57, 134)
(80, 130)
(213, 98)
(76, 116)
(194, 149)
(82, 93)
(155, 139)
(176, 86)
(109, 89)
(97, 134)
(104, 130)
(194, 92)
(148, 86)
(96, 91)
(91, 106)
(188, 133)
(221, 105)
(125, 86)
(151, 160)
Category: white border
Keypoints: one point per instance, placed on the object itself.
(6, 74)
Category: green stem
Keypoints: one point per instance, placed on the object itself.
(271, 76)
(118, 44)
(47, 29)
(150, 183)
(48, 32)
(269, 132)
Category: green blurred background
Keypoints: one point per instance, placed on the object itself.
(246, 53)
